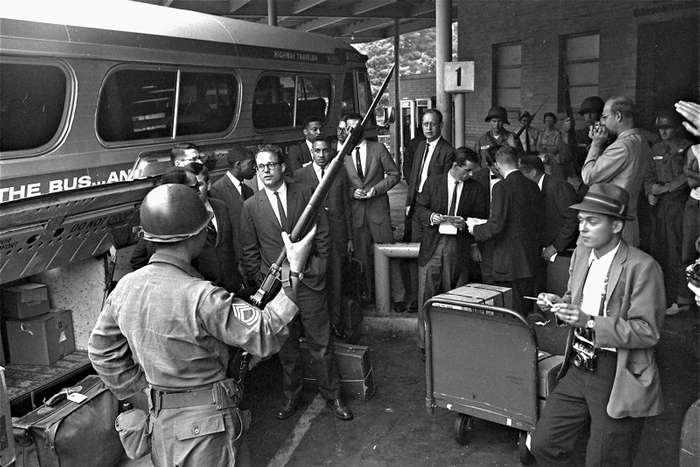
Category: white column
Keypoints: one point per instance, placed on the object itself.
(443, 53)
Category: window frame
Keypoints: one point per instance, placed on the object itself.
(496, 68)
(296, 75)
(178, 70)
(564, 62)
(68, 106)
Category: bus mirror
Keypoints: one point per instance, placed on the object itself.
(389, 115)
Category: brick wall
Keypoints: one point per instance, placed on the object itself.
(538, 25)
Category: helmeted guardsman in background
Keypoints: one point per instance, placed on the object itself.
(497, 136)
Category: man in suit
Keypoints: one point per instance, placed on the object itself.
(300, 154)
(624, 162)
(233, 192)
(269, 212)
(559, 224)
(614, 305)
(337, 208)
(486, 177)
(371, 173)
(434, 156)
(446, 248)
(513, 225)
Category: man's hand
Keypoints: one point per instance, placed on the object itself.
(436, 219)
(475, 253)
(548, 252)
(359, 194)
(350, 248)
(652, 199)
(658, 189)
(371, 193)
(570, 314)
(545, 301)
(460, 223)
(298, 252)
(599, 135)
(691, 112)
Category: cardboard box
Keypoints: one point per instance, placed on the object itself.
(41, 340)
(354, 366)
(7, 440)
(25, 301)
(506, 300)
(477, 295)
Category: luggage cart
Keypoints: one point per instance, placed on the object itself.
(481, 361)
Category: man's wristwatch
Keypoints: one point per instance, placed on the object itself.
(298, 275)
(590, 324)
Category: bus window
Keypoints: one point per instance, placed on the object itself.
(348, 104)
(273, 101)
(313, 97)
(206, 103)
(32, 99)
(364, 94)
(137, 104)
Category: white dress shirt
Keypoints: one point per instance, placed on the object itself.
(309, 145)
(540, 182)
(207, 205)
(317, 171)
(236, 182)
(426, 164)
(282, 190)
(450, 188)
(594, 289)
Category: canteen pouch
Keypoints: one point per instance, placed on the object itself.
(75, 434)
(134, 432)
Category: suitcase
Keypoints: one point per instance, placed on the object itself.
(472, 294)
(548, 367)
(355, 368)
(75, 434)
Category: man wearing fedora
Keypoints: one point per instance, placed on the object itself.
(497, 136)
(614, 305)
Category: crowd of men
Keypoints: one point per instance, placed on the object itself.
(499, 214)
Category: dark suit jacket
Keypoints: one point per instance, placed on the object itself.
(483, 177)
(433, 198)
(379, 164)
(297, 156)
(410, 154)
(513, 225)
(336, 205)
(224, 190)
(216, 262)
(560, 221)
(636, 301)
(261, 235)
(440, 163)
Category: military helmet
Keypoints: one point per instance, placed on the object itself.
(667, 120)
(592, 104)
(498, 112)
(172, 213)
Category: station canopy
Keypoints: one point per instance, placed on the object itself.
(353, 21)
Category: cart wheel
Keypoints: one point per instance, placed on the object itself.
(524, 453)
(463, 425)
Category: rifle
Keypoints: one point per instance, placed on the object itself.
(570, 115)
(522, 128)
(271, 284)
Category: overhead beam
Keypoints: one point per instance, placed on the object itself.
(366, 6)
(318, 23)
(301, 6)
(166, 2)
(365, 25)
(234, 5)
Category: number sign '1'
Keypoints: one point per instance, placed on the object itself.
(459, 76)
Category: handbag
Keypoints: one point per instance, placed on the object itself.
(75, 428)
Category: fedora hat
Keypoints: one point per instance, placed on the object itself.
(605, 198)
(498, 112)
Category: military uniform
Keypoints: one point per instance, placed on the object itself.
(166, 330)
(489, 143)
(668, 158)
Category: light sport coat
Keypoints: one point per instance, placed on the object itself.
(381, 174)
(635, 296)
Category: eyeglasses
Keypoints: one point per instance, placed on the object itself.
(269, 166)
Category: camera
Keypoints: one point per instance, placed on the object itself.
(585, 353)
(692, 273)
(596, 126)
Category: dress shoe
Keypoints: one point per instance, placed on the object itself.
(399, 307)
(287, 409)
(412, 307)
(340, 410)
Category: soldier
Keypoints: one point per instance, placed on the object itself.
(166, 331)
(497, 136)
(666, 188)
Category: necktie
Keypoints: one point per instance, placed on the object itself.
(283, 215)
(453, 204)
(527, 141)
(422, 163)
(323, 172)
(358, 161)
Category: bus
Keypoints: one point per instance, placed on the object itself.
(93, 91)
